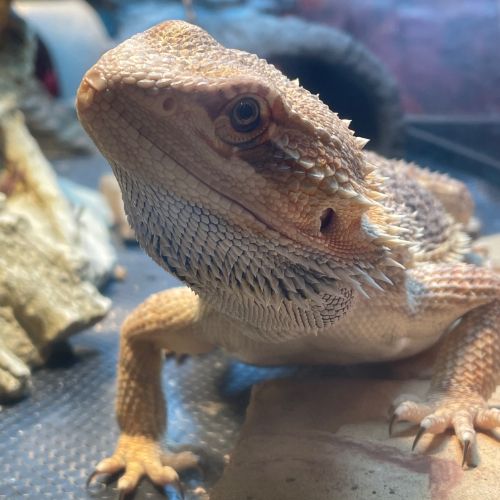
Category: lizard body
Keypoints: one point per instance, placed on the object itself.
(296, 244)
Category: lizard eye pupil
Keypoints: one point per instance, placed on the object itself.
(245, 115)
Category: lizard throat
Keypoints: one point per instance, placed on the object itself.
(245, 277)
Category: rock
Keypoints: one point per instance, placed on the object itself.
(42, 300)
(38, 281)
(328, 439)
(15, 380)
(14, 338)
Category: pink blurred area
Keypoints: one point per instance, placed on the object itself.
(444, 53)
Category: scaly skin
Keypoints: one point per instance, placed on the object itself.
(298, 245)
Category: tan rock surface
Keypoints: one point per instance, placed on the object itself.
(328, 439)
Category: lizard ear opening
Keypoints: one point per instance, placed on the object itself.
(327, 221)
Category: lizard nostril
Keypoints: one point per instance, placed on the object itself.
(327, 219)
(96, 80)
(93, 82)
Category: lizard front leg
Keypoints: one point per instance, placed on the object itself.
(467, 369)
(167, 320)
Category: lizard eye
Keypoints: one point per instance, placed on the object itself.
(245, 115)
(243, 121)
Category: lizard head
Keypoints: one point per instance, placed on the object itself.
(219, 144)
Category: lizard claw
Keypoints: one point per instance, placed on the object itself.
(91, 477)
(466, 452)
(394, 419)
(420, 433)
(90, 481)
(178, 487)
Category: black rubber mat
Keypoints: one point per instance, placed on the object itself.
(50, 441)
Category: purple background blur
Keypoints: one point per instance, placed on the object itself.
(444, 53)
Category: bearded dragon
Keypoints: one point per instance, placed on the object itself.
(296, 245)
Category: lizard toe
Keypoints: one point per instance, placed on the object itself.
(488, 418)
(108, 466)
(161, 474)
(181, 461)
(408, 410)
(463, 425)
(133, 473)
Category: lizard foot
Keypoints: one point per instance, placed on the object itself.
(141, 456)
(464, 412)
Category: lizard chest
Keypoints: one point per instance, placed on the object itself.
(372, 331)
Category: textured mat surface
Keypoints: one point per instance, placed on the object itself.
(50, 441)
